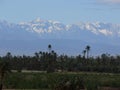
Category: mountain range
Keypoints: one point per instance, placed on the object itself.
(28, 37)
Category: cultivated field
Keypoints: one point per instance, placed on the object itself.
(49, 81)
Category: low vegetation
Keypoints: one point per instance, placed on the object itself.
(60, 81)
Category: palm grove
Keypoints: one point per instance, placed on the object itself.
(50, 62)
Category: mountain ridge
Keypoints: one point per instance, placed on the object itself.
(47, 26)
(37, 34)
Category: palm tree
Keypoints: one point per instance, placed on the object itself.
(84, 53)
(49, 48)
(8, 55)
(4, 69)
(87, 50)
(37, 55)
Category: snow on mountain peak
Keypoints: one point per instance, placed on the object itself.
(38, 19)
(106, 32)
(41, 26)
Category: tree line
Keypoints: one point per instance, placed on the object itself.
(50, 61)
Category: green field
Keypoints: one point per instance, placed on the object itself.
(45, 81)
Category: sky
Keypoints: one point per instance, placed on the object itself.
(65, 11)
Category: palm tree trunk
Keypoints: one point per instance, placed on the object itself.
(1, 85)
(87, 54)
(1, 78)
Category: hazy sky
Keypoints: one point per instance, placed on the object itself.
(66, 11)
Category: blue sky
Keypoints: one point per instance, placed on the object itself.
(65, 11)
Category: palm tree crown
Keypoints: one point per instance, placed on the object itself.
(49, 48)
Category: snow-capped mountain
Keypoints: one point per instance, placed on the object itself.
(102, 36)
(48, 29)
(42, 27)
(49, 26)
